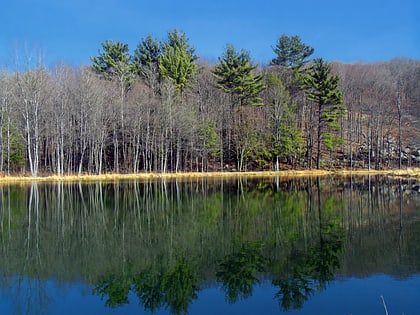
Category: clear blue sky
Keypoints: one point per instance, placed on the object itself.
(71, 31)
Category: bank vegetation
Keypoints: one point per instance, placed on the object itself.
(160, 109)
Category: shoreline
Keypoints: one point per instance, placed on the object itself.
(405, 173)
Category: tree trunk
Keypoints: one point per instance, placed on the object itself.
(399, 127)
(319, 136)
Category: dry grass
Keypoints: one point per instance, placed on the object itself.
(410, 172)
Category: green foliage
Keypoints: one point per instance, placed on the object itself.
(291, 141)
(291, 52)
(114, 61)
(210, 138)
(146, 59)
(238, 271)
(234, 75)
(313, 269)
(177, 60)
(175, 288)
(148, 288)
(322, 88)
(323, 91)
(294, 289)
(115, 289)
(324, 256)
(330, 141)
(179, 287)
(259, 150)
(16, 143)
(147, 54)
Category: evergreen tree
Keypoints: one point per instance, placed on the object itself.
(234, 75)
(323, 91)
(177, 60)
(291, 52)
(146, 61)
(114, 61)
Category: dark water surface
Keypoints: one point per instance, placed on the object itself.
(211, 246)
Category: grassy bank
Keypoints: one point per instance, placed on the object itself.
(410, 172)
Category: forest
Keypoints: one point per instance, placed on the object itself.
(160, 108)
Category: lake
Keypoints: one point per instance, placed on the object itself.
(243, 245)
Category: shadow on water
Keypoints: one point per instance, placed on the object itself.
(162, 242)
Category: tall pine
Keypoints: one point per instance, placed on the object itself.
(234, 75)
(177, 60)
(291, 52)
(323, 92)
(146, 61)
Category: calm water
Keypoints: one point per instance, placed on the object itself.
(211, 246)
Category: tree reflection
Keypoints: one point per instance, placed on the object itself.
(129, 240)
(179, 287)
(115, 289)
(324, 256)
(295, 289)
(148, 287)
(175, 288)
(238, 271)
(311, 271)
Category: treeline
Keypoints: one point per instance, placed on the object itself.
(160, 109)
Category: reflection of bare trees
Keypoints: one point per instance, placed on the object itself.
(33, 222)
(73, 231)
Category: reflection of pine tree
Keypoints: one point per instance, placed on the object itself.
(115, 288)
(147, 286)
(295, 288)
(174, 288)
(238, 271)
(311, 270)
(179, 287)
(325, 254)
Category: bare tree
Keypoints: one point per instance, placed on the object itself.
(31, 95)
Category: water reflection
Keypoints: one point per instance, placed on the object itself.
(163, 242)
(175, 288)
(238, 271)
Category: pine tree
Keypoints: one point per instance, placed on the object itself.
(114, 61)
(146, 61)
(177, 60)
(322, 90)
(235, 76)
(291, 52)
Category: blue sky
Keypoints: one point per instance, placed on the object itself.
(70, 31)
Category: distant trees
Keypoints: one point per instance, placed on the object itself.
(160, 109)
